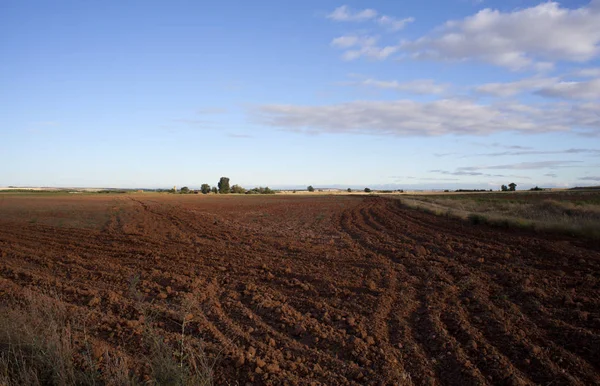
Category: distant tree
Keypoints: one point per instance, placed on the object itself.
(367, 190)
(214, 190)
(310, 188)
(260, 190)
(237, 189)
(504, 188)
(205, 188)
(349, 190)
(512, 186)
(536, 188)
(184, 190)
(224, 185)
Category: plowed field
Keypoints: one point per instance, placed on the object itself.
(314, 289)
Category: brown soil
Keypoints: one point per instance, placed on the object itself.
(314, 290)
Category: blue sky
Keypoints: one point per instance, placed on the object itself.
(445, 94)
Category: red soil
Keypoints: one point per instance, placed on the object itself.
(314, 290)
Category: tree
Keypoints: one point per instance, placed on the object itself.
(349, 190)
(310, 188)
(512, 186)
(237, 189)
(367, 190)
(504, 188)
(184, 190)
(224, 185)
(260, 190)
(205, 188)
(214, 190)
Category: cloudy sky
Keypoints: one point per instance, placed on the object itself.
(422, 94)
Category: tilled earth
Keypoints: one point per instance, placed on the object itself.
(314, 289)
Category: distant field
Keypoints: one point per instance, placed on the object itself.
(576, 212)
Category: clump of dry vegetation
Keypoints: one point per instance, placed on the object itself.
(42, 344)
(37, 346)
(576, 213)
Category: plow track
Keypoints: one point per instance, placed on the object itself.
(328, 290)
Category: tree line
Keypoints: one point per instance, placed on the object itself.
(224, 187)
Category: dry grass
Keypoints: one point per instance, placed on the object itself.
(40, 344)
(575, 218)
(37, 345)
(182, 365)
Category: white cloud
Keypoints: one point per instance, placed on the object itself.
(348, 41)
(473, 173)
(513, 88)
(547, 87)
(394, 24)
(345, 41)
(362, 46)
(592, 72)
(525, 38)
(346, 14)
(573, 90)
(418, 86)
(540, 152)
(441, 117)
(525, 166)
